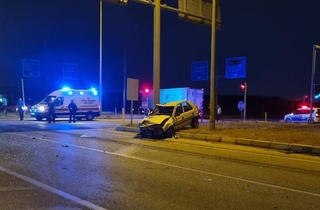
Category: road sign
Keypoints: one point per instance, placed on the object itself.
(132, 89)
(70, 71)
(235, 67)
(30, 68)
(199, 71)
(241, 105)
(144, 105)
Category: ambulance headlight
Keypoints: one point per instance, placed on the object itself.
(41, 109)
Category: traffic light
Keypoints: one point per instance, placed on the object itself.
(243, 88)
(146, 90)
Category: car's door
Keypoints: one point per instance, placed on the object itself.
(305, 115)
(178, 117)
(297, 116)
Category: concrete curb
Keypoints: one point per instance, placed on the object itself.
(295, 148)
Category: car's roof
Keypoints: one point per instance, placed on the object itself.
(308, 108)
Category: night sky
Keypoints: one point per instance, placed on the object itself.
(276, 37)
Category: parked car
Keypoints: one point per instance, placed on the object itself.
(302, 115)
(165, 119)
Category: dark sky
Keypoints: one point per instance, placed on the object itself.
(276, 37)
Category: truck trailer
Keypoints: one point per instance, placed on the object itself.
(176, 94)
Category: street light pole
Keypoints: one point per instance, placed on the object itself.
(100, 58)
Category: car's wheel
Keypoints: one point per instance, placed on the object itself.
(89, 116)
(170, 132)
(310, 121)
(157, 132)
(288, 120)
(195, 123)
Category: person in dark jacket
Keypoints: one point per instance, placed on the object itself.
(20, 108)
(72, 110)
(51, 112)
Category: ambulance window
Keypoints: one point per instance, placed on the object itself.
(58, 101)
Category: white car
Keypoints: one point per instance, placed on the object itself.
(302, 115)
(165, 119)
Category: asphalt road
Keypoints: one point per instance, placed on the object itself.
(90, 165)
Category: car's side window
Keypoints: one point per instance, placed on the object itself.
(186, 106)
(179, 109)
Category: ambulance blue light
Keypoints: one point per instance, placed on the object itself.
(317, 96)
(94, 91)
(81, 93)
(70, 92)
(65, 88)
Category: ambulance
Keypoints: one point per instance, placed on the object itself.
(87, 102)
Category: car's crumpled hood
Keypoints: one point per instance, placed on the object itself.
(153, 120)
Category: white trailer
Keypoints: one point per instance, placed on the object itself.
(183, 93)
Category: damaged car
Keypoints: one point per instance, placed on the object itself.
(165, 119)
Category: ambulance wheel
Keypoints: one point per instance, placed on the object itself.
(89, 116)
(39, 118)
(310, 121)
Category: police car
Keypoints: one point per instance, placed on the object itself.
(302, 115)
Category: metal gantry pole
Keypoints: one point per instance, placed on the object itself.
(212, 79)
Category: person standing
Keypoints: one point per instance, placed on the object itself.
(51, 112)
(20, 107)
(4, 104)
(219, 111)
(72, 110)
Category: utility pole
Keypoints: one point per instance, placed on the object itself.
(156, 51)
(213, 74)
(315, 48)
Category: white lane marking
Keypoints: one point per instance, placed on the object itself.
(185, 168)
(53, 190)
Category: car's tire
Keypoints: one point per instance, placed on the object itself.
(195, 122)
(157, 133)
(89, 116)
(288, 120)
(39, 118)
(170, 132)
(310, 121)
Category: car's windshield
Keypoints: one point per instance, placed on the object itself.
(47, 99)
(162, 110)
